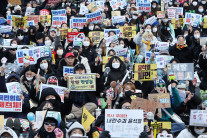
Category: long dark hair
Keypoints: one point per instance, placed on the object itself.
(122, 65)
(29, 68)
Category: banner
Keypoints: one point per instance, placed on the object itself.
(13, 2)
(182, 71)
(95, 17)
(96, 36)
(72, 35)
(117, 32)
(45, 19)
(146, 105)
(87, 118)
(19, 22)
(35, 18)
(148, 57)
(160, 14)
(163, 99)
(10, 102)
(163, 60)
(5, 29)
(171, 12)
(49, 2)
(128, 31)
(144, 5)
(82, 82)
(58, 20)
(60, 90)
(78, 22)
(118, 20)
(193, 18)
(67, 70)
(61, 12)
(124, 123)
(145, 72)
(13, 87)
(198, 118)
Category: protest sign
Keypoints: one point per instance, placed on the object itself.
(111, 39)
(49, 2)
(10, 102)
(82, 82)
(95, 17)
(145, 72)
(146, 105)
(1, 122)
(193, 19)
(13, 2)
(92, 7)
(2, 21)
(96, 36)
(61, 12)
(45, 19)
(60, 90)
(19, 21)
(72, 35)
(176, 21)
(163, 99)
(5, 29)
(118, 20)
(120, 51)
(35, 18)
(182, 71)
(44, 12)
(128, 31)
(148, 57)
(67, 70)
(39, 118)
(160, 14)
(7, 42)
(114, 4)
(161, 46)
(150, 20)
(30, 23)
(100, 4)
(171, 12)
(25, 56)
(203, 94)
(179, 11)
(29, 11)
(203, 41)
(63, 34)
(163, 60)
(87, 118)
(204, 22)
(78, 22)
(124, 123)
(77, 42)
(13, 87)
(83, 10)
(58, 20)
(115, 13)
(9, 19)
(198, 118)
(144, 5)
(117, 32)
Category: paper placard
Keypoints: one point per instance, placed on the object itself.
(198, 118)
(163, 99)
(145, 72)
(14, 87)
(67, 70)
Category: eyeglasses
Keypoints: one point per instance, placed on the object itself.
(49, 123)
(160, 85)
(126, 107)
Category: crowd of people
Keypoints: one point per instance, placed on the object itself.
(115, 84)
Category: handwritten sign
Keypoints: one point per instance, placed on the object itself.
(198, 118)
(146, 105)
(160, 14)
(82, 82)
(145, 72)
(12, 2)
(13, 87)
(128, 31)
(67, 70)
(92, 7)
(124, 123)
(182, 71)
(163, 99)
(10, 102)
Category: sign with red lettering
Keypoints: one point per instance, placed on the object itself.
(95, 17)
(36, 18)
(72, 35)
(58, 20)
(78, 22)
(49, 2)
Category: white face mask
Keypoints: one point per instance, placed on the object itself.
(121, 45)
(203, 2)
(133, 12)
(21, 37)
(199, 131)
(76, 135)
(8, 12)
(147, 30)
(165, 20)
(90, 27)
(153, 6)
(115, 65)
(134, 17)
(14, 45)
(154, 30)
(200, 10)
(86, 43)
(197, 36)
(48, 42)
(44, 66)
(60, 52)
(195, 3)
(29, 78)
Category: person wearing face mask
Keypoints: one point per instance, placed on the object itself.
(155, 32)
(164, 30)
(89, 52)
(87, 28)
(194, 5)
(201, 10)
(155, 7)
(204, 4)
(20, 35)
(58, 56)
(49, 41)
(30, 38)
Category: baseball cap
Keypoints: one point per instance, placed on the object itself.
(53, 29)
(70, 54)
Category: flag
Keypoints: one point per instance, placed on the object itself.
(87, 119)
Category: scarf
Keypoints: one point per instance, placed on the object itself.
(180, 46)
(147, 43)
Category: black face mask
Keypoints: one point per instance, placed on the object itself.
(18, 12)
(75, 54)
(130, 93)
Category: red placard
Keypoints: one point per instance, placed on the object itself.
(72, 35)
(44, 12)
(49, 2)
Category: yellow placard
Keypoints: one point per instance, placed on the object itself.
(163, 125)
(12, 2)
(1, 122)
(145, 72)
(96, 36)
(92, 7)
(175, 22)
(116, 13)
(63, 34)
(128, 31)
(82, 82)
(19, 22)
(87, 119)
(44, 19)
